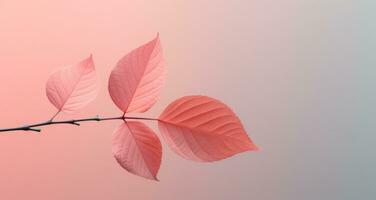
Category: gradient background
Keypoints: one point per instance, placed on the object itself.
(300, 75)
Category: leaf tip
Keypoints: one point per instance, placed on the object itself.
(156, 39)
(252, 146)
(255, 148)
(89, 60)
(153, 178)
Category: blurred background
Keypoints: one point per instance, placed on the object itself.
(300, 75)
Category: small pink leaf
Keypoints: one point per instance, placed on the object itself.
(135, 83)
(137, 149)
(73, 87)
(203, 129)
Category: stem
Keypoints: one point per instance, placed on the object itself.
(35, 127)
(53, 117)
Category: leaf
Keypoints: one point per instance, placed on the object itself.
(203, 129)
(73, 87)
(137, 149)
(136, 81)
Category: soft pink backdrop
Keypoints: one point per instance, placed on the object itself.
(298, 73)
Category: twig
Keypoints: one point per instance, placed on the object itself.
(35, 127)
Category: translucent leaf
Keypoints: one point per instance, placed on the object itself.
(203, 129)
(137, 149)
(136, 81)
(73, 87)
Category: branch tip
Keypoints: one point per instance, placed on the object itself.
(34, 129)
(75, 123)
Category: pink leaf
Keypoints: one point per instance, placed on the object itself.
(135, 83)
(203, 129)
(137, 149)
(73, 87)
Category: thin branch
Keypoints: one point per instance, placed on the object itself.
(35, 127)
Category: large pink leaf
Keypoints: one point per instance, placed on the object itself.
(73, 87)
(137, 149)
(136, 81)
(203, 129)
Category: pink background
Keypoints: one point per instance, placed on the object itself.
(298, 73)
